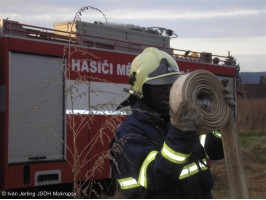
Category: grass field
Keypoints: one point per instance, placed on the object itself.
(251, 124)
(253, 149)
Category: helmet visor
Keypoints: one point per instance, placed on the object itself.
(166, 80)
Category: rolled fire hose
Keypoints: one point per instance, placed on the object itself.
(205, 91)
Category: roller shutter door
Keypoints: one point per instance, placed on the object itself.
(36, 111)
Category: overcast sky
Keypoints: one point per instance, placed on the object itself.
(216, 26)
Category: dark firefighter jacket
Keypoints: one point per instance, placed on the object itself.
(153, 159)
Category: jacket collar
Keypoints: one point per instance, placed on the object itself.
(145, 113)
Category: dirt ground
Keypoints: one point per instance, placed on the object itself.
(255, 175)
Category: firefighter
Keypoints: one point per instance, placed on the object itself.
(157, 154)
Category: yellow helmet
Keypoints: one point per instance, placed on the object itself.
(154, 67)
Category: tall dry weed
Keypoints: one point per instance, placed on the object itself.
(251, 114)
(82, 158)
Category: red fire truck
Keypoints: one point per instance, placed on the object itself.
(59, 89)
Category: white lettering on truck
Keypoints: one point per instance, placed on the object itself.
(123, 69)
(75, 64)
(99, 67)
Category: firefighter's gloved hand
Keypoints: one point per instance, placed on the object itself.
(228, 94)
(186, 117)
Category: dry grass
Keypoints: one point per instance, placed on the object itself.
(251, 114)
